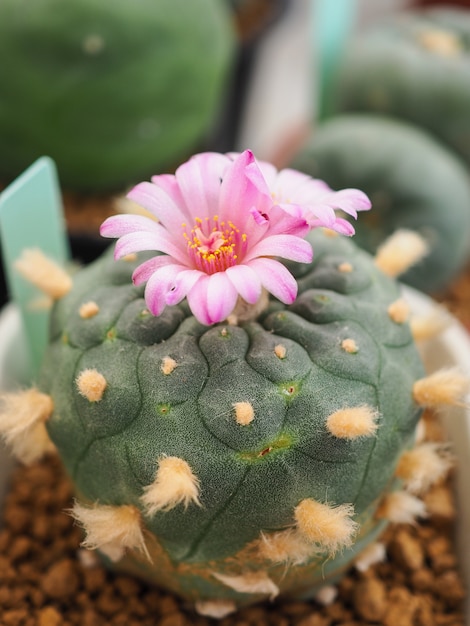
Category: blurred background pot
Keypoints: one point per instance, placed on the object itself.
(113, 91)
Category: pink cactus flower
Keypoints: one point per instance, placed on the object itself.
(222, 222)
(289, 188)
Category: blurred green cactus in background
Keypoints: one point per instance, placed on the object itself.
(111, 90)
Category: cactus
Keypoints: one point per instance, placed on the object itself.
(112, 91)
(414, 66)
(413, 182)
(257, 454)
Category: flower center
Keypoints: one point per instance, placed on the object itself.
(213, 246)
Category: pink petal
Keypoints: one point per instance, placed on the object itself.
(183, 283)
(143, 272)
(259, 173)
(297, 187)
(269, 173)
(321, 214)
(212, 299)
(245, 281)
(258, 179)
(285, 246)
(260, 218)
(288, 219)
(221, 297)
(119, 225)
(199, 180)
(292, 186)
(256, 226)
(158, 286)
(348, 200)
(276, 279)
(138, 241)
(156, 200)
(343, 227)
(243, 188)
(169, 184)
(197, 301)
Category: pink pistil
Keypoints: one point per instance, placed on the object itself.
(219, 249)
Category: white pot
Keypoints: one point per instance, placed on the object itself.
(13, 357)
(451, 348)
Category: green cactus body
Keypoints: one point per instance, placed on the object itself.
(413, 181)
(414, 66)
(245, 407)
(112, 90)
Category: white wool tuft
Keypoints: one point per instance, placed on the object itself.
(400, 251)
(353, 422)
(374, 553)
(420, 431)
(326, 595)
(441, 41)
(424, 465)
(168, 365)
(446, 387)
(251, 582)
(244, 413)
(110, 529)
(280, 351)
(44, 273)
(401, 507)
(399, 311)
(22, 423)
(88, 310)
(217, 609)
(349, 345)
(430, 325)
(174, 484)
(91, 384)
(285, 546)
(330, 527)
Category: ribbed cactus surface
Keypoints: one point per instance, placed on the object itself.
(246, 410)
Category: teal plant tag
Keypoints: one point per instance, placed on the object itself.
(332, 23)
(31, 216)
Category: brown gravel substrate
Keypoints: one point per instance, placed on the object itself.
(47, 580)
